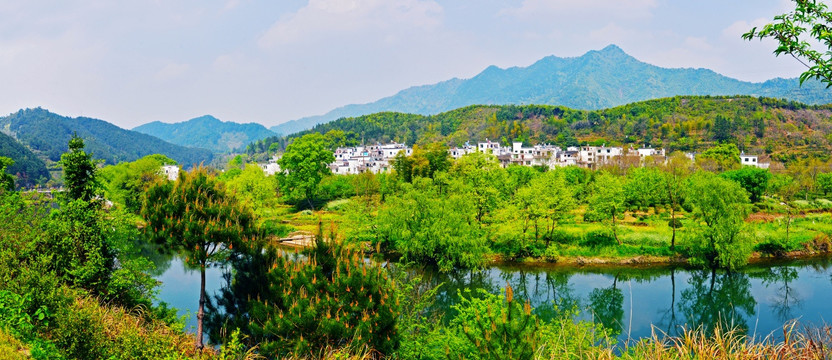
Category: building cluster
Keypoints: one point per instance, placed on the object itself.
(378, 158)
(373, 158)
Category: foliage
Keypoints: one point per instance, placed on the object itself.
(429, 226)
(305, 162)
(331, 297)
(80, 172)
(720, 205)
(607, 200)
(252, 186)
(754, 180)
(195, 216)
(125, 183)
(498, 327)
(28, 168)
(719, 158)
(79, 249)
(6, 179)
(798, 33)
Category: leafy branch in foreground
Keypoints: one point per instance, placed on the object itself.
(810, 22)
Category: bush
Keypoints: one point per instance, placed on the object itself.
(599, 238)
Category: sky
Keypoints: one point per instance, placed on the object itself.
(270, 61)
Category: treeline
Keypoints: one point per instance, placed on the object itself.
(784, 130)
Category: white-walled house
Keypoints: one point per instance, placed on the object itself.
(170, 171)
(752, 160)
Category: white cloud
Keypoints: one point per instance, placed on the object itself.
(171, 71)
(324, 18)
(588, 10)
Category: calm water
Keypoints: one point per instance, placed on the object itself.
(759, 299)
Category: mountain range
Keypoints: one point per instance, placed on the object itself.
(596, 80)
(207, 132)
(47, 134)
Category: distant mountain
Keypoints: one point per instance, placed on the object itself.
(597, 80)
(47, 134)
(207, 132)
(27, 168)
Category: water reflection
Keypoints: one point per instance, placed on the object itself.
(628, 301)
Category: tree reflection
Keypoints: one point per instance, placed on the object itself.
(228, 309)
(607, 307)
(669, 321)
(786, 298)
(712, 299)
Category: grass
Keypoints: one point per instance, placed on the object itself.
(12, 348)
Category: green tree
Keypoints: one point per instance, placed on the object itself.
(723, 129)
(754, 180)
(479, 172)
(784, 187)
(607, 201)
(799, 33)
(6, 179)
(80, 172)
(676, 169)
(719, 158)
(305, 162)
(721, 206)
(332, 297)
(195, 216)
(125, 183)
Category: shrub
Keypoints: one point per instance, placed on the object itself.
(599, 238)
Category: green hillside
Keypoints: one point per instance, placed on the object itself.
(47, 134)
(207, 132)
(27, 168)
(783, 129)
(596, 80)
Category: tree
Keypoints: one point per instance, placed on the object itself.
(196, 216)
(79, 172)
(723, 129)
(677, 168)
(784, 187)
(798, 34)
(607, 200)
(721, 206)
(719, 158)
(329, 298)
(125, 183)
(752, 179)
(306, 161)
(6, 180)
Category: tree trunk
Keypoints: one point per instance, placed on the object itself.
(614, 233)
(201, 312)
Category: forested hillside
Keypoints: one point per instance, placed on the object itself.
(596, 80)
(47, 134)
(207, 132)
(782, 129)
(28, 169)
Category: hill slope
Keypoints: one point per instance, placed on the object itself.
(207, 132)
(27, 168)
(784, 130)
(597, 80)
(47, 134)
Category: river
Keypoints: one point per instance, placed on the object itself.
(631, 301)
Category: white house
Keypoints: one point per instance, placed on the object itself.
(752, 160)
(170, 171)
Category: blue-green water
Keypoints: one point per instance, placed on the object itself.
(631, 301)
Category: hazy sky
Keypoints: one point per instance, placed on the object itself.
(132, 62)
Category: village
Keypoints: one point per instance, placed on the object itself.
(379, 157)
